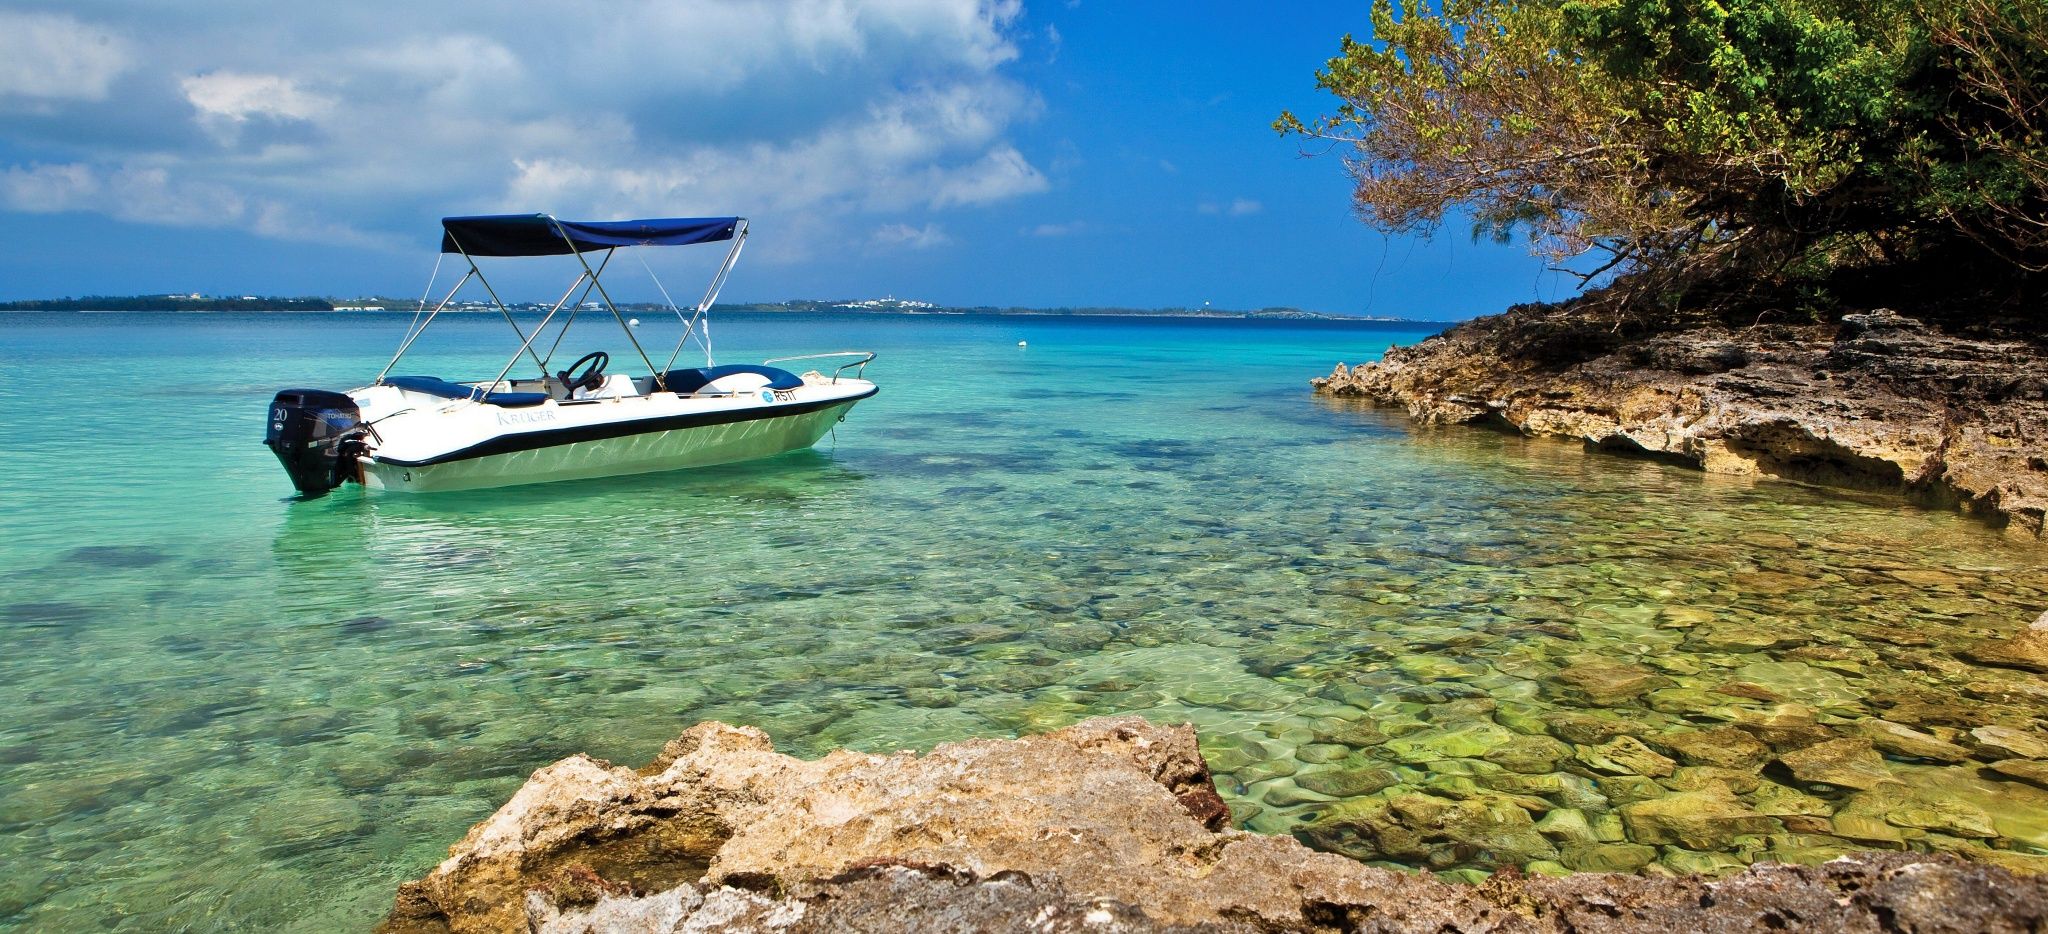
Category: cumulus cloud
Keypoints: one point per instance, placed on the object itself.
(1002, 174)
(904, 236)
(46, 56)
(235, 96)
(809, 115)
(151, 194)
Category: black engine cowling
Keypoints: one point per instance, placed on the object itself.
(317, 435)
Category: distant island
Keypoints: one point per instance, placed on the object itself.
(193, 302)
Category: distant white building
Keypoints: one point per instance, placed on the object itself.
(885, 303)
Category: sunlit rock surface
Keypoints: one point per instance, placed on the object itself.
(1110, 825)
(1879, 403)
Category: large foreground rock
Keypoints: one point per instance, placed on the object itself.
(1880, 402)
(1110, 825)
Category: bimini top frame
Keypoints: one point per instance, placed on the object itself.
(545, 235)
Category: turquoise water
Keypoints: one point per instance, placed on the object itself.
(223, 708)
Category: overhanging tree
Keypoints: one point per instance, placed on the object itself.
(1704, 154)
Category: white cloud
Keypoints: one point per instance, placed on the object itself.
(904, 236)
(1002, 174)
(809, 115)
(226, 99)
(236, 96)
(1057, 230)
(912, 150)
(152, 194)
(46, 189)
(53, 57)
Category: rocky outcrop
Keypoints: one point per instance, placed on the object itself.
(1878, 402)
(1110, 825)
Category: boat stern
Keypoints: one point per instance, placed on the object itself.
(318, 436)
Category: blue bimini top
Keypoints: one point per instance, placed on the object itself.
(543, 235)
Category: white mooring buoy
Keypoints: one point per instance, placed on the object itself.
(1021, 344)
(633, 321)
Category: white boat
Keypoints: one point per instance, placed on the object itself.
(425, 434)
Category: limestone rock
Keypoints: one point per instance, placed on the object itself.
(1696, 777)
(1357, 734)
(1625, 756)
(1567, 826)
(1530, 754)
(1607, 684)
(1724, 747)
(1349, 779)
(1466, 741)
(2006, 741)
(1584, 729)
(1786, 726)
(2028, 649)
(1867, 830)
(2026, 770)
(1879, 402)
(1901, 740)
(1608, 857)
(1845, 763)
(1699, 820)
(1106, 826)
(1428, 830)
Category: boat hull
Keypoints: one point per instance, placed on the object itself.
(644, 452)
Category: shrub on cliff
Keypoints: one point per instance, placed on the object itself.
(1713, 153)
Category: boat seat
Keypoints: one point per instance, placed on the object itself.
(695, 378)
(436, 386)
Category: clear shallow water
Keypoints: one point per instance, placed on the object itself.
(222, 708)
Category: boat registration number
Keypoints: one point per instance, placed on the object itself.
(785, 395)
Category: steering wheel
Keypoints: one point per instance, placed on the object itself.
(592, 378)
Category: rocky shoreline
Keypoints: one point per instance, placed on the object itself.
(1879, 402)
(1109, 825)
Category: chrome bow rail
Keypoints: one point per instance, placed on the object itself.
(861, 364)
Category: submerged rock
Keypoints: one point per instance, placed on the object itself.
(1350, 780)
(1625, 756)
(1606, 684)
(2026, 770)
(2028, 649)
(1722, 747)
(1900, 740)
(2006, 741)
(1845, 763)
(1106, 826)
(1699, 820)
(1420, 829)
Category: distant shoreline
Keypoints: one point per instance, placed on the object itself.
(306, 306)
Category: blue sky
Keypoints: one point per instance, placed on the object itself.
(958, 151)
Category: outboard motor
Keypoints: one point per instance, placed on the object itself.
(317, 435)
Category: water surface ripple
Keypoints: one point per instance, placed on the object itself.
(224, 709)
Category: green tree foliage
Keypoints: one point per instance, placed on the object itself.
(1698, 151)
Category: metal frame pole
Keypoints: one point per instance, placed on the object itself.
(528, 342)
(415, 334)
(564, 332)
(525, 343)
(660, 384)
(732, 258)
